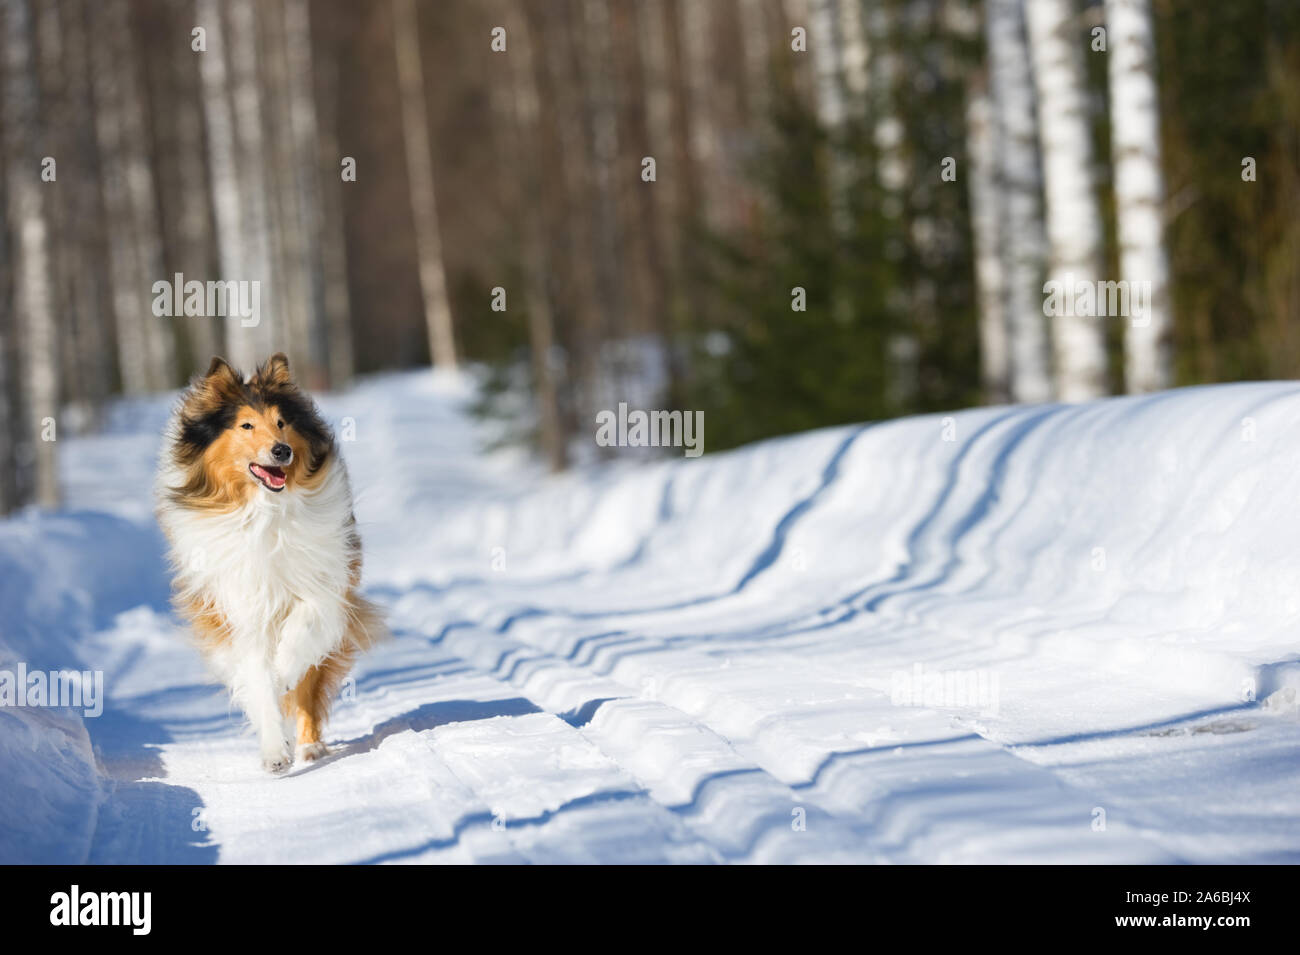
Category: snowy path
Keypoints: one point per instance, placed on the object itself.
(703, 661)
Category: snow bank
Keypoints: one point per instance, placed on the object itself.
(1043, 633)
(62, 576)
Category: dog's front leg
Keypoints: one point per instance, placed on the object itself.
(309, 635)
(256, 693)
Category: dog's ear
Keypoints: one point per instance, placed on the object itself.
(276, 371)
(222, 375)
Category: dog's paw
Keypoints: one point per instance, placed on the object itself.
(308, 752)
(277, 761)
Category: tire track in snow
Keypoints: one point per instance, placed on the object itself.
(733, 804)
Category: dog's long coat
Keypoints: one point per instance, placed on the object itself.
(256, 505)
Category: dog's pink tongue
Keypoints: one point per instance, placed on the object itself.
(272, 476)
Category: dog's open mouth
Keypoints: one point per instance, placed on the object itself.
(272, 478)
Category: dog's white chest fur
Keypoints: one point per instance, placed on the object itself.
(277, 569)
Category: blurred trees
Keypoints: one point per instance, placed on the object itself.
(786, 213)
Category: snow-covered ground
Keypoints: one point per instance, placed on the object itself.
(1043, 634)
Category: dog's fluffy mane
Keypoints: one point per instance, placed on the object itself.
(208, 407)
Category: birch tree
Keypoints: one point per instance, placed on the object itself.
(219, 119)
(1020, 219)
(645, 230)
(8, 437)
(32, 294)
(419, 170)
(250, 344)
(304, 127)
(182, 175)
(145, 342)
(525, 113)
(1139, 189)
(1074, 231)
(333, 249)
(995, 362)
(88, 377)
(287, 177)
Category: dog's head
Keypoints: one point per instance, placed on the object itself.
(235, 438)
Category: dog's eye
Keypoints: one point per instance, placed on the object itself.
(279, 424)
(247, 426)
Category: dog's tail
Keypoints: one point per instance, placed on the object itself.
(366, 625)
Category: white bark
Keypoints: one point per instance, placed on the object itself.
(223, 171)
(995, 361)
(419, 170)
(250, 344)
(824, 43)
(334, 265)
(32, 291)
(302, 119)
(1074, 230)
(1139, 189)
(1020, 222)
(90, 375)
(145, 342)
(287, 175)
(521, 122)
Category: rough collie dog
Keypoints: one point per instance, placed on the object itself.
(256, 505)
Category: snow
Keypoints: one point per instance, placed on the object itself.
(736, 658)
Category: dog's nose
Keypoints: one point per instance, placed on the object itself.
(281, 452)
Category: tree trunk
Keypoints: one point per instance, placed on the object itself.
(182, 174)
(223, 171)
(90, 375)
(333, 248)
(1074, 229)
(32, 295)
(1020, 221)
(645, 226)
(995, 361)
(251, 344)
(1139, 189)
(286, 176)
(145, 342)
(419, 171)
(523, 123)
(304, 127)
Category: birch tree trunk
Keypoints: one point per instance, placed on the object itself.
(596, 116)
(218, 116)
(145, 342)
(995, 362)
(286, 175)
(303, 125)
(33, 297)
(1139, 189)
(419, 170)
(333, 248)
(90, 375)
(824, 45)
(251, 344)
(1020, 220)
(523, 123)
(644, 230)
(565, 157)
(8, 436)
(1074, 231)
(894, 179)
(182, 178)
